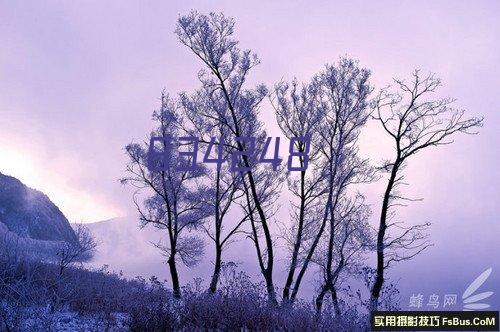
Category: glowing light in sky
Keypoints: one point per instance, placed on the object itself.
(77, 205)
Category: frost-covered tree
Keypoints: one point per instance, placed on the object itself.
(332, 109)
(344, 101)
(204, 114)
(298, 116)
(414, 120)
(176, 198)
(225, 72)
(69, 253)
(341, 254)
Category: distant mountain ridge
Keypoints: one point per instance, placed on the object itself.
(29, 213)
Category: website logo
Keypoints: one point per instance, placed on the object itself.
(473, 300)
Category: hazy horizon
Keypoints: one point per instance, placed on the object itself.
(81, 80)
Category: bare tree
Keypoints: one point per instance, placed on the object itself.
(345, 103)
(342, 252)
(298, 116)
(209, 37)
(203, 110)
(340, 99)
(415, 121)
(178, 198)
(70, 253)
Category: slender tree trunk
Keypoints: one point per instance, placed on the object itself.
(335, 301)
(379, 278)
(271, 292)
(328, 207)
(218, 227)
(298, 240)
(328, 269)
(329, 277)
(175, 276)
(335, 277)
(319, 299)
(217, 268)
(268, 272)
(311, 252)
(328, 286)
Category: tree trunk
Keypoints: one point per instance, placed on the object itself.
(319, 299)
(271, 292)
(268, 272)
(298, 239)
(218, 228)
(310, 253)
(333, 172)
(175, 277)
(379, 278)
(217, 267)
(335, 301)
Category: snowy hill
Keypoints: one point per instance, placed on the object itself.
(30, 214)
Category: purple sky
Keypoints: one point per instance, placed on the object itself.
(80, 80)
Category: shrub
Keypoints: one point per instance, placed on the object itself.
(36, 294)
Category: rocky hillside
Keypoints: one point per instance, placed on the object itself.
(30, 214)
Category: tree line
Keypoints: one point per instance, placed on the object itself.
(329, 227)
